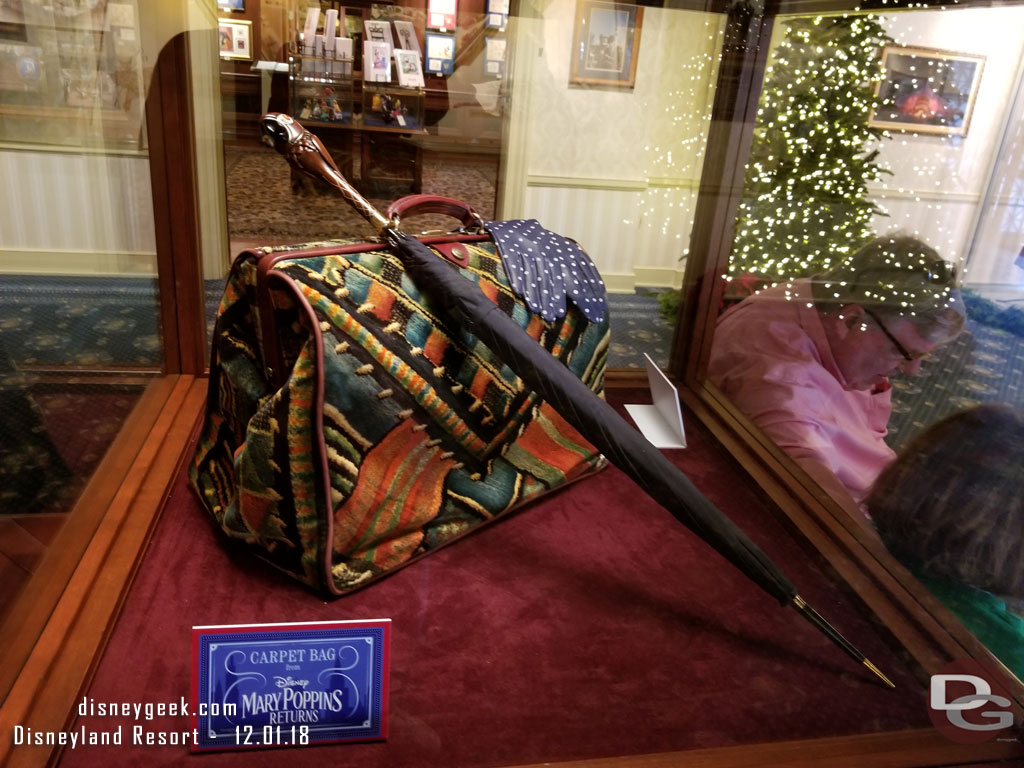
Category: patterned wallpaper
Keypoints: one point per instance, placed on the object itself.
(655, 130)
(618, 169)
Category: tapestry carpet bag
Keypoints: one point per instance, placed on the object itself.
(351, 427)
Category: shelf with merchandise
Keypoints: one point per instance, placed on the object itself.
(387, 105)
(320, 88)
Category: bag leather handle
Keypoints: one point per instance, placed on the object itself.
(413, 205)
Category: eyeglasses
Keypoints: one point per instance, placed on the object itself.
(895, 342)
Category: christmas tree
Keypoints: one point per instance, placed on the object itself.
(805, 199)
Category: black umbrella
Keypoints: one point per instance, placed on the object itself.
(598, 422)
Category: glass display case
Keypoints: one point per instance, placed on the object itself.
(320, 88)
(71, 75)
(391, 106)
(390, 116)
(645, 646)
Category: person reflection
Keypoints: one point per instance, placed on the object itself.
(951, 508)
(808, 360)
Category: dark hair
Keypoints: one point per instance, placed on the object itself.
(953, 500)
(898, 275)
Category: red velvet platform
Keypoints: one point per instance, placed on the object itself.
(589, 625)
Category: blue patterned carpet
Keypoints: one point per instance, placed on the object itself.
(983, 364)
(90, 322)
(104, 323)
(637, 328)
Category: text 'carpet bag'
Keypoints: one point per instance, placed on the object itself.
(352, 427)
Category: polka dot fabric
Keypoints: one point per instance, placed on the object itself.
(544, 268)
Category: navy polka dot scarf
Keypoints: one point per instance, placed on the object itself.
(544, 268)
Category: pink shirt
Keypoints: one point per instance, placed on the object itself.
(771, 357)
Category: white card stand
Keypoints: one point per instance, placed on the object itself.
(661, 423)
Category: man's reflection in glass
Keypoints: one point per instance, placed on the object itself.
(809, 360)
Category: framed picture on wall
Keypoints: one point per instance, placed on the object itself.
(21, 67)
(231, 5)
(441, 14)
(606, 44)
(927, 91)
(235, 39)
(440, 57)
(494, 56)
(497, 14)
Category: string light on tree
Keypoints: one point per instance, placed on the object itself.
(805, 195)
(684, 102)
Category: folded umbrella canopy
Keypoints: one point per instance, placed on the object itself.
(621, 444)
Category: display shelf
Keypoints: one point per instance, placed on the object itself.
(386, 105)
(320, 89)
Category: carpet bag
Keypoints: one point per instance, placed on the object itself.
(351, 427)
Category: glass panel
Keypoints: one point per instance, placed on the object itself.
(850, 347)
(497, 142)
(512, 147)
(80, 334)
(616, 168)
(71, 74)
(441, 138)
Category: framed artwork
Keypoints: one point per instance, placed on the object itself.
(441, 14)
(21, 67)
(407, 65)
(407, 39)
(494, 56)
(440, 58)
(497, 14)
(235, 39)
(231, 5)
(926, 91)
(606, 44)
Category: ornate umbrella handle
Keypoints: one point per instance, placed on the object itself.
(306, 152)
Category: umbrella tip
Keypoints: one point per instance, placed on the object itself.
(829, 631)
(877, 671)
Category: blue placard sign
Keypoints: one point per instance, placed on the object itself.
(277, 685)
